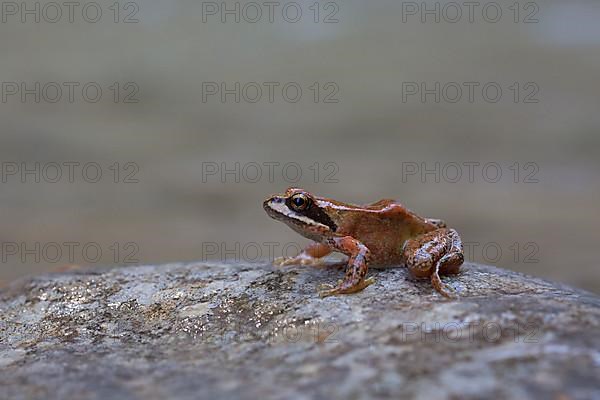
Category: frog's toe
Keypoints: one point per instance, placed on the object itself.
(284, 261)
(326, 286)
(344, 288)
(327, 289)
(330, 292)
(281, 261)
(369, 281)
(315, 262)
(298, 260)
(449, 294)
(441, 288)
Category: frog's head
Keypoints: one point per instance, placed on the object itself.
(301, 211)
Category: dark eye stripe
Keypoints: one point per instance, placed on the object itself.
(318, 215)
(314, 213)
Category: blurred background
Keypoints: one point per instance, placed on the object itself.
(150, 132)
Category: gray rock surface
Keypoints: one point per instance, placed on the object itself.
(250, 331)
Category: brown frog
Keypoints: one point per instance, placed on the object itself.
(382, 234)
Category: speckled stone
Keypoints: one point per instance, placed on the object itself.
(250, 331)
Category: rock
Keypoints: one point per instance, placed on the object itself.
(250, 331)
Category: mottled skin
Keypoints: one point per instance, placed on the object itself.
(383, 233)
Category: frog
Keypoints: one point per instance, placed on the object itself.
(381, 234)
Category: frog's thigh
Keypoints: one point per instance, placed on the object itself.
(441, 246)
(434, 252)
(422, 253)
(451, 261)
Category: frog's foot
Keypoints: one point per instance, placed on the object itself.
(342, 287)
(356, 270)
(432, 253)
(300, 259)
(312, 255)
(439, 286)
(325, 287)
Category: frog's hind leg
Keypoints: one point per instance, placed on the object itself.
(431, 253)
(311, 255)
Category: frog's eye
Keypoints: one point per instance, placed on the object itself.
(299, 202)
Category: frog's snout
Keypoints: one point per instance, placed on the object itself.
(266, 204)
(272, 202)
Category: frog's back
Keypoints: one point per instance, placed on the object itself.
(385, 230)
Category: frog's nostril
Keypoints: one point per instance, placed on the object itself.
(271, 201)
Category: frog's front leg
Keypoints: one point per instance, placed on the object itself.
(311, 255)
(357, 268)
(432, 253)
